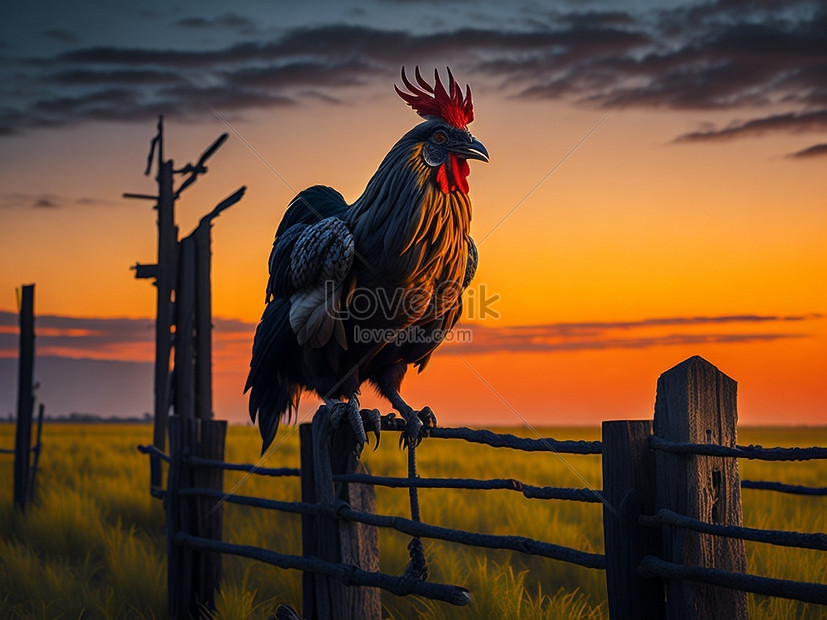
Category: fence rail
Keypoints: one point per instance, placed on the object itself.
(773, 537)
(742, 452)
(504, 440)
(510, 484)
(793, 489)
(348, 574)
(652, 566)
(339, 519)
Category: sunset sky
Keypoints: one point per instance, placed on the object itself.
(656, 190)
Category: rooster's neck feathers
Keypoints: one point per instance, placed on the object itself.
(403, 200)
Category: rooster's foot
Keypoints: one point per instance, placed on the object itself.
(372, 421)
(341, 411)
(419, 423)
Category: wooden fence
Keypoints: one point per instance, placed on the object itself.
(672, 519)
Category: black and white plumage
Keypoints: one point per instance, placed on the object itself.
(404, 241)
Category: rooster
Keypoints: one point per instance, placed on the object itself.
(360, 292)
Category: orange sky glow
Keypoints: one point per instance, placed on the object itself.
(607, 264)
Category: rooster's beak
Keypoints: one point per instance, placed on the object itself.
(473, 150)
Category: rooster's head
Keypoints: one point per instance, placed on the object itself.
(447, 145)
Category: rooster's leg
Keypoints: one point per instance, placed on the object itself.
(350, 410)
(418, 422)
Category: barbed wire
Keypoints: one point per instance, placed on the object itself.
(745, 452)
(510, 484)
(651, 566)
(784, 538)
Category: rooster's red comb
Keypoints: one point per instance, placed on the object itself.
(451, 106)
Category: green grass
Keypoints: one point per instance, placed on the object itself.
(92, 545)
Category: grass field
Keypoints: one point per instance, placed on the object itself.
(92, 545)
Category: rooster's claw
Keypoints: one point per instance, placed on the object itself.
(372, 421)
(417, 427)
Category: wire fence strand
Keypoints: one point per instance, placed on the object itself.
(793, 489)
(742, 452)
(413, 528)
(348, 574)
(652, 566)
(199, 461)
(505, 440)
(774, 537)
(488, 541)
(510, 484)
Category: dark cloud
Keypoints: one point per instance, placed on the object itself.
(64, 36)
(228, 20)
(126, 339)
(140, 77)
(11, 200)
(622, 335)
(130, 339)
(725, 55)
(792, 121)
(817, 150)
(602, 18)
(82, 337)
(133, 84)
(16, 200)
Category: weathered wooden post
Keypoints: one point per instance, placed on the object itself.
(25, 400)
(208, 511)
(38, 446)
(179, 558)
(203, 320)
(165, 273)
(696, 403)
(629, 492)
(309, 533)
(325, 453)
(185, 331)
(193, 576)
(176, 273)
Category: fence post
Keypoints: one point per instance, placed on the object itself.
(696, 403)
(209, 512)
(193, 576)
(165, 283)
(184, 331)
(203, 321)
(38, 446)
(25, 400)
(332, 452)
(629, 492)
(179, 564)
(309, 534)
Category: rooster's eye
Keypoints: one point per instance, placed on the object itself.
(440, 137)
